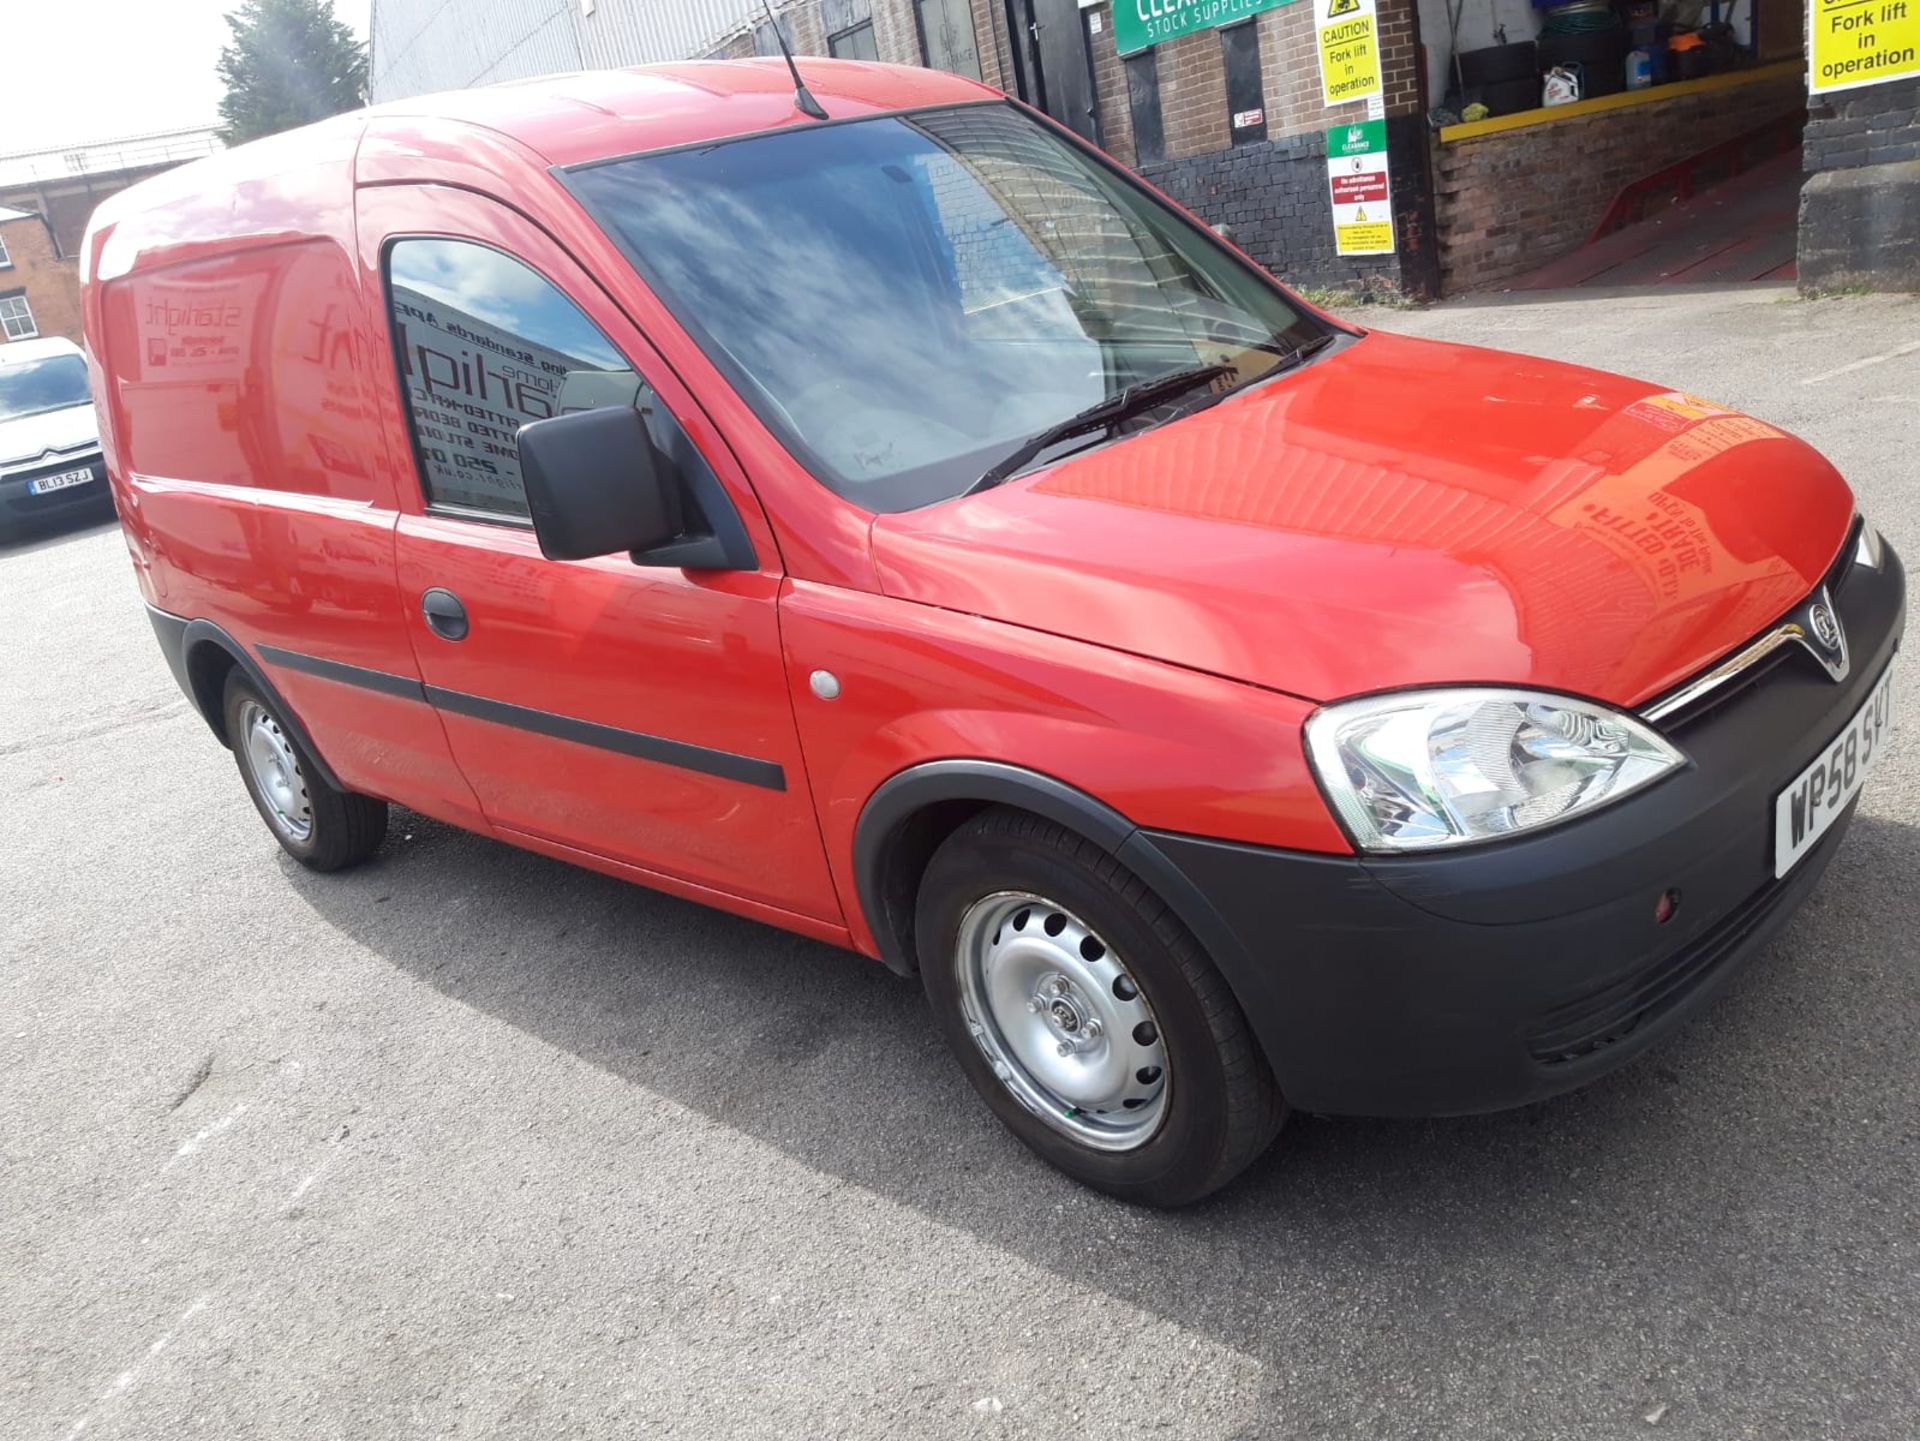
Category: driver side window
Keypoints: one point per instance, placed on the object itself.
(485, 345)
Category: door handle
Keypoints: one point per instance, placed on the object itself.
(444, 613)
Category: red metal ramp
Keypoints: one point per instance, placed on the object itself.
(1743, 228)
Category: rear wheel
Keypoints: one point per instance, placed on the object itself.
(1087, 1016)
(318, 824)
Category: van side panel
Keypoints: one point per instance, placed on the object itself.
(240, 369)
(247, 448)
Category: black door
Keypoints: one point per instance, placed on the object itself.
(1062, 65)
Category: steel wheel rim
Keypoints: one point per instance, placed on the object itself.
(1061, 1021)
(275, 768)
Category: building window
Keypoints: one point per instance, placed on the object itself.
(1143, 104)
(1246, 102)
(16, 319)
(5, 259)
(854, 44)
(849, 28)
(947, 40)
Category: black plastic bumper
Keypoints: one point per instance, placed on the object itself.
(19, 504)
(1494, 976)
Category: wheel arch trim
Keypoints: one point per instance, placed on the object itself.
(180, 639)
(907, 793)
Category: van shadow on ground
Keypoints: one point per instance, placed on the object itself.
(1706, 1212)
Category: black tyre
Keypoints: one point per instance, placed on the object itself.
(1087, 1016)
(320, 826)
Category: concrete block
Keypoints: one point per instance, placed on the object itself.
(1860, 227)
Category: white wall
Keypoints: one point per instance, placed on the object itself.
(424, 45)
(643, 32)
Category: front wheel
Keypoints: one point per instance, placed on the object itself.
(1087, 1016)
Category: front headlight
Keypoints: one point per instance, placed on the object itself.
(1427, 768)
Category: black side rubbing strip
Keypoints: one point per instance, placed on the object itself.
(683, 754)
(686, 756)
(375, 680)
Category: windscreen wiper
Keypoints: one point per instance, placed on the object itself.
(1292, 354)
(1303, 352)
(1100, 415)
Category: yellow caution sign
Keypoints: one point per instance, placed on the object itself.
(1349, 44)
(1372, 237)
(1861, 42)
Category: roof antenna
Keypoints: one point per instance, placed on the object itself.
(803, 100)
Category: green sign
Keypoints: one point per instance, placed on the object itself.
(1359, 138)
(1141, 24)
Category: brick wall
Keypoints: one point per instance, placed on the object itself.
(51, 285)
(990, 35)
(1273, 193)
(1509, 202)
(1193, 94)
(1110, 96)
(1290, 69)
(1275, 197)
(894, 32)
(1869, 126)
(809, 33)
(1193, 90)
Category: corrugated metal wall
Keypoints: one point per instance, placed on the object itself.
(644, 32)
(423, 45)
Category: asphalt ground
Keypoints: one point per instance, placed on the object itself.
(470, 1143)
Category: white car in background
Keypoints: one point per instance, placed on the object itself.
(49, 441)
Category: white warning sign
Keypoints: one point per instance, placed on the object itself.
(1362, 198)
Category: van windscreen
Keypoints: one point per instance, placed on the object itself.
(906, 300)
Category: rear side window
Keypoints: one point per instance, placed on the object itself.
(485, 345)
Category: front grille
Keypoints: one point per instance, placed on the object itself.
(53, 462)
(1675, 722)
(1607, 1016)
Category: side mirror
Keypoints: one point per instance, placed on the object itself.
(596, 486)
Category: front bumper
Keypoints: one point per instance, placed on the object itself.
(18, 503)
(1493, 976)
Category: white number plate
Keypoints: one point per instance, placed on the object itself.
(1804, 810)
(61, 481)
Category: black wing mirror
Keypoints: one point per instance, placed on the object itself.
(597, 486)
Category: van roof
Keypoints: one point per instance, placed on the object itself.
(555, 120)
(592, 114)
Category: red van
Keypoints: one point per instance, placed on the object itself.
(907, 528)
